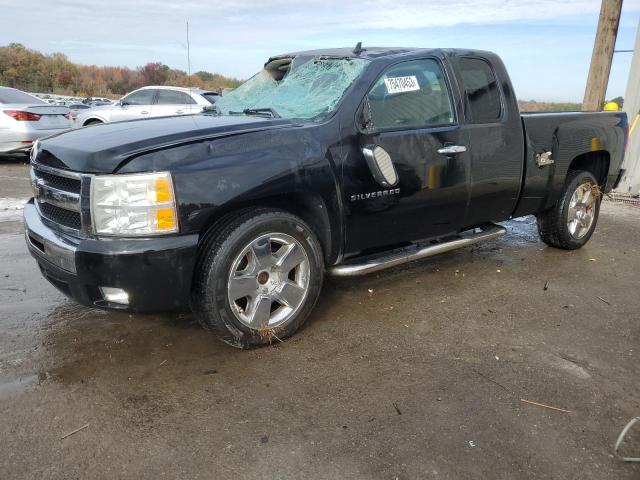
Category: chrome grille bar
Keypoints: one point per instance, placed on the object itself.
(58, 197)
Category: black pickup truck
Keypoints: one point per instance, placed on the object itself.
(342, 161)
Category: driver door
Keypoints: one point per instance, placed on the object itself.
(409, 114)
(136, 105)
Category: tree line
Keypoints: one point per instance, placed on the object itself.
(33, 71)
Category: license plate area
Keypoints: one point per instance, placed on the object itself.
(52, 121)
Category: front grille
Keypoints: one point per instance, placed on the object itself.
(58, 196)
(63, 183)
(61, 216)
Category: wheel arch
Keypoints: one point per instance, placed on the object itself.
(93, 119)
(309, 206)
(596, 162)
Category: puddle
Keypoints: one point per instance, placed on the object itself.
(11, 208)
(16, 387)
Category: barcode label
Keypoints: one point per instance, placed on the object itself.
(402, 84)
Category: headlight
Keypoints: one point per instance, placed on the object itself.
(133, 205)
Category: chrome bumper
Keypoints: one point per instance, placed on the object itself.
(45, 243)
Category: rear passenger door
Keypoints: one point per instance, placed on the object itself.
(495, 138)
(410, 114)
(172, 102)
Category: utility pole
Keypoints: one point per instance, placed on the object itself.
(602, 55)
(631, 180)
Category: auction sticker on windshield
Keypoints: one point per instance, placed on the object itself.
(402, 84)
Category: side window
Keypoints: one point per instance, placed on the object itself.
(141, 97)
(410, 95)
(173, 97)
(481, 90)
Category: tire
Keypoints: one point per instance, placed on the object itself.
(570, 223)
(242, 255)
(92, 122)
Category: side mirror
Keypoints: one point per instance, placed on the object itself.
(122, 103)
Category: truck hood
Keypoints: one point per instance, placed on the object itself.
(102, 148)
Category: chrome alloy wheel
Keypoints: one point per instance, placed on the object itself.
(581, 212)
(268, 281)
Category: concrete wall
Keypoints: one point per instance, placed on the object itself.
(631, 181)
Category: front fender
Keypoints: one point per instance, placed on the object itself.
(216, 176)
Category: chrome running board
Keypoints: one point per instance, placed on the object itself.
(416, 252)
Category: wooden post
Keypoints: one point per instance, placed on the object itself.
(602, 55)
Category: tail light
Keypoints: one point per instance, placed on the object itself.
(68, 116)
(20, 116)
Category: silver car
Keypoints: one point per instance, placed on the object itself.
(25, 118)
(147, 102)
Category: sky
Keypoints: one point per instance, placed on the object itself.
(545, 44)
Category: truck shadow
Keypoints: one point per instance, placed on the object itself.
(84, 344)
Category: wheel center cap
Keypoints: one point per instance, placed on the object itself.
(263, 277)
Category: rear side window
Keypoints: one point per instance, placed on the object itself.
(173, 97)
(481, 90)
(410, 95)
(211, 97)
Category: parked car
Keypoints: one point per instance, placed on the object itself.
(95, 101)
(77, 108)
(147, 102)
(25, 118)
(332, 160)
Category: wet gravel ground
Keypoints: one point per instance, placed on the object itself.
(413, 373)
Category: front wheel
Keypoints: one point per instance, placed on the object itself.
(258, 279)
(571, 222)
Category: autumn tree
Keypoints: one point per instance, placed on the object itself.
(33, 71)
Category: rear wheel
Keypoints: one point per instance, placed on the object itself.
(92, 122)
(258, 279)
(571, 222)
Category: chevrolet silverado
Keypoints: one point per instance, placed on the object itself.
(338, 161)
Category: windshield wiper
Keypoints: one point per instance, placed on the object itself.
(270, 112)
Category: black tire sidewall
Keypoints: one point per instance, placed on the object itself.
(217, 308)
(579, 178)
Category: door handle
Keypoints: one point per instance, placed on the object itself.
(179, 112)
(144, 112)
(452, 149)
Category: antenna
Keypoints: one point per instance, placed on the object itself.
(188, 61)
(188, 53)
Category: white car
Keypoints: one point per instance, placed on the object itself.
(147, 102)
(25, 118)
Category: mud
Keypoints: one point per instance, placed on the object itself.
(412, 373)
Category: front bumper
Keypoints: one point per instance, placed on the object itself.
(155, 272)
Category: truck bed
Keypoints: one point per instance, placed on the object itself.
(567, 135)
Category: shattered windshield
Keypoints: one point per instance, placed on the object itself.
(306, 88)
